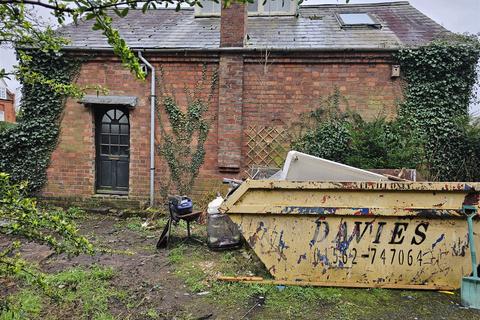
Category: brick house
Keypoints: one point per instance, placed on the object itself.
(274, 63)
(7, 103)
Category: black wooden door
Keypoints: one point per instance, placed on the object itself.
(113, 150)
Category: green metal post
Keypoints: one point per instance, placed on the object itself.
(473, 252)
(470, 291)
(471, 211)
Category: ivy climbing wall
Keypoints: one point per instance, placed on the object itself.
(25, 149)
(439, 81)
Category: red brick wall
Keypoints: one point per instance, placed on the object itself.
(280, 89)
(178, 75)
(7, 106)
(275, 91)
(72, 168)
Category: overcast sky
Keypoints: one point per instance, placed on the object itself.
(455, 15)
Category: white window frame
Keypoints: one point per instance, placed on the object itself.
(199, 11)
(3, 93)
(2, 115)
(261, 10)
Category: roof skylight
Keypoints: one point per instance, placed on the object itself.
(357, 19)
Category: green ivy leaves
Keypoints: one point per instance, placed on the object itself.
(25, 149)
(183, 138)
(440, 78)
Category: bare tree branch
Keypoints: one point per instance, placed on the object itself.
(59, 8)
(40, 4)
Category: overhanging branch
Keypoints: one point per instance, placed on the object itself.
(59, 8)
(40, 4)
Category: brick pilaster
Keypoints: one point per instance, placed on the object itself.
(230, 105)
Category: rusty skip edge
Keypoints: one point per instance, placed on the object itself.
(471, 192)
(364, 185)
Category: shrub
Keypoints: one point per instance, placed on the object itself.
(25, 149)
(334, 132)
(384, 144)
(329, 140)
(326, 131)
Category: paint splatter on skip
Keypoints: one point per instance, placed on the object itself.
(281, 243)
(323, 259)
(318, 224)
(361, 211)
(440, 239)
(302, 257)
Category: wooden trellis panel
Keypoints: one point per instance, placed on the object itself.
(267, 146)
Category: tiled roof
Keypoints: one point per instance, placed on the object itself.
(315, 27)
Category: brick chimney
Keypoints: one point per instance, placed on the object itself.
(233, 25)
(233, 30)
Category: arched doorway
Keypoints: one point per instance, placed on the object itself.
(112, 129)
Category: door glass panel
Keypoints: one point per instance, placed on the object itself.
(114, 139)
(105, 139)
(123, 119)
(115, 129)
(124, 128)
(114, 150)
(104, 150)
(124, 139)
(105, 128)
(124, 151)
(111, 114)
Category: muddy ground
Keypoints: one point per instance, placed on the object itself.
(180, 283)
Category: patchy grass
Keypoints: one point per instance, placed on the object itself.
(189, 268)
(199, 267)
(79, 293)
(152, 314)
(180, 283)
(135, 224)
(145, 227)
(76, 213)
(23, 305)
